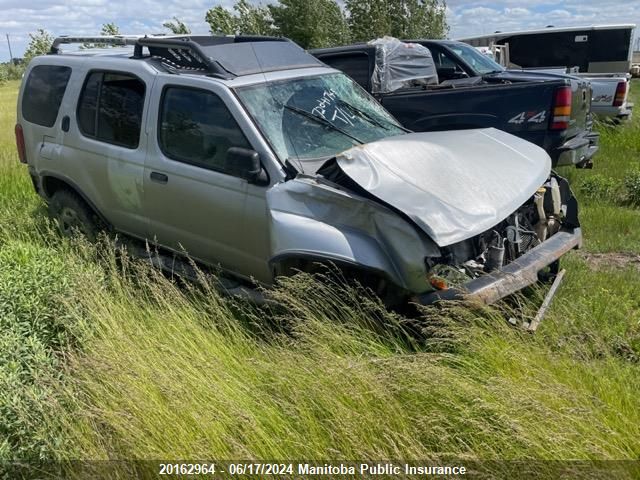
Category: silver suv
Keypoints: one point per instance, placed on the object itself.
(251, 155)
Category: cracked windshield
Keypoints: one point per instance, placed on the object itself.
(328, 113)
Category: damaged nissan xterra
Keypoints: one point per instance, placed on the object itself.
(251, 155)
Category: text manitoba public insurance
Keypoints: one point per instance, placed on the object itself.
(379, 469)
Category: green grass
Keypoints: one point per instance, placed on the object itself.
(105, 360)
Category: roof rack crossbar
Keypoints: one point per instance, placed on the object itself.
(118, 40)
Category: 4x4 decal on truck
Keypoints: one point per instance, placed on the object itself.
(529, 117)
(603, 98)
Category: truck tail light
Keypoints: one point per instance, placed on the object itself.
(22, 150)
(621, 93)
(561, 109)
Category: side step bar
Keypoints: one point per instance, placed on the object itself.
(174, 265)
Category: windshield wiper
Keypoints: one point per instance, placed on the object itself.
(369, 118)
(322, 121)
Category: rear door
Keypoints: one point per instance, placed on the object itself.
(194, 203)
(104, 145)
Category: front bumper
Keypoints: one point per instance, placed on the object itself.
(579, 150)
(513, 277)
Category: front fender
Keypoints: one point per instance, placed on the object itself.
(294, 236)
(312, 219)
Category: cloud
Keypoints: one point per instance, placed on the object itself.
(86, 17)
(517, 12)
(561, 14)
(480, 12)
(477, 17)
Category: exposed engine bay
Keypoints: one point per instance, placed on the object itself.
(480, 222)
(549, 210)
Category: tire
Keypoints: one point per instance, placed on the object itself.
(390, 295)
(73, 215)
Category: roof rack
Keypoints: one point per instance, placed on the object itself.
(116, 40)
(176, 52)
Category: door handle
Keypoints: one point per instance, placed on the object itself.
(65, 123)
(159, 177)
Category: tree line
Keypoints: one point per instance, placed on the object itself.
(310, 23)
(323, 23)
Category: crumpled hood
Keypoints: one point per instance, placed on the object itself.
(452, 184)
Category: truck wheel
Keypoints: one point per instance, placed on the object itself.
(72, 215)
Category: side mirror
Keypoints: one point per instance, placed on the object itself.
(244, 163)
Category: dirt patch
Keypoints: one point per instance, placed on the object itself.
(600, 261)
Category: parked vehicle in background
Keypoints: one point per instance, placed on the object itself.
(601, 54)
(593, 49)
(635, 64)
(610, 93)
(254, 157)
(466, 89)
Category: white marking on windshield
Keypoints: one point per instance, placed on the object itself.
(327, 102)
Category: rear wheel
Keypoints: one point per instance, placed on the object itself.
(73, 215)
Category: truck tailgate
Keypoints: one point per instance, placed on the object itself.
(580, 106)
(610, 94)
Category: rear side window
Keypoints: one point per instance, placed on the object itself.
(110, 108)
(197, 128)
(43, 94)
(356, 65)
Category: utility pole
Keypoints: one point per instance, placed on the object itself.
(10, 54)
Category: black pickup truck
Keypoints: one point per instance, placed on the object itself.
(469, 90)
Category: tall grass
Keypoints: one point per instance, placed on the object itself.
(173, 373)
(104, 358)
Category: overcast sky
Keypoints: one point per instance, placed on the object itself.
(465, 17)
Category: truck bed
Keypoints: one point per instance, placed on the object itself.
(520, 103)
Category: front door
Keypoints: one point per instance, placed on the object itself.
(193, 202)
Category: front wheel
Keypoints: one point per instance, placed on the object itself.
(73, 215)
